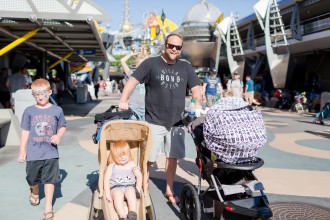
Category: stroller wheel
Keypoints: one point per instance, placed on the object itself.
(190, 204)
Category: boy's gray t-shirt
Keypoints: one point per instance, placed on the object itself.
(42, 124)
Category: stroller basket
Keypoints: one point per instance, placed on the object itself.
(255, 207)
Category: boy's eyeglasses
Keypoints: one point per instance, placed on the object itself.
(39, 92)
(171, 46)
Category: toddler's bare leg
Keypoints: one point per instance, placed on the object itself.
(130, 196)
(118, 201)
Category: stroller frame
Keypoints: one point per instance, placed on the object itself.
(233, 192)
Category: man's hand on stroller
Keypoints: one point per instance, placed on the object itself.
(123, 105)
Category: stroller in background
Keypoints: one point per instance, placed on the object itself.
(138, 135)
(233, 192)
(324, 114)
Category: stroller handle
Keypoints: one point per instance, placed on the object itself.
(117, 110)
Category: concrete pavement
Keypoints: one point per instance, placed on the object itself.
(296, 170)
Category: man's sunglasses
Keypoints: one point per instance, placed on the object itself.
(171, 46)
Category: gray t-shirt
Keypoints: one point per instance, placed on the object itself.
(16, 81)
(165, 89)
(42, 124)
(137, 98)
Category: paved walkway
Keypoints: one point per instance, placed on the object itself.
(297, 166)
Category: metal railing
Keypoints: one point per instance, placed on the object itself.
(308, 26)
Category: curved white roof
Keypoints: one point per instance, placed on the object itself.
(202, 12)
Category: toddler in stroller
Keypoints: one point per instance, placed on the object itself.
(138, 135)
(227, 140)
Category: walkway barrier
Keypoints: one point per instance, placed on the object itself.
(23, 99)
(10, 131)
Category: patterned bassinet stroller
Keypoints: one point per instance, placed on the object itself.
(226, 158)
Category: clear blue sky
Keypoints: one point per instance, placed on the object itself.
(175, 10)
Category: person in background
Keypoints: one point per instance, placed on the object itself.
(211, 85)
(4, 92)
(249, 90)
(60, 91)
(96, 82)
(166, 78)
(122, 179)
(15, 82)
(43, 126)
(137, 99)
(28, 78)
(235, 85)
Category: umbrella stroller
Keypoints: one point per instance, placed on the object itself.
(138, 135)
(324, 114)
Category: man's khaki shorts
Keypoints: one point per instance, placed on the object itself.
(170, 142)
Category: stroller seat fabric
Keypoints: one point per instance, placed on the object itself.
(233, 130)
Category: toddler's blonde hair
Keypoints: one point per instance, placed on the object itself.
(118, 149)
(40, 84)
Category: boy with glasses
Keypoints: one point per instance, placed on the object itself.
(43, 125)
(166, 78)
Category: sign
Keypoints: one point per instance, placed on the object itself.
(86, 52)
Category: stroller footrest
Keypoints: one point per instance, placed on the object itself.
(232, 189)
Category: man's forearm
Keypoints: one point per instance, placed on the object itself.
(196, 94)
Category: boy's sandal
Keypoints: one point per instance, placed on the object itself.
(172, 198)
(48, 215)
(34, 199)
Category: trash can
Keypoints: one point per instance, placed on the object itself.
(82, 94)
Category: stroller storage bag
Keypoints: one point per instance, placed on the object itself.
(233, 130)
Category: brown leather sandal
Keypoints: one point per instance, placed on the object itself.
(34, 199)
(172, 198)
(48, 215)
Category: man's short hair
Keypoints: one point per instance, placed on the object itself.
(173, 34)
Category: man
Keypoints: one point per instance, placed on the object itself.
(28, 78)
(249, 90)
(235, 86)
(166, 79)
(15, 82)
(210, 86)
